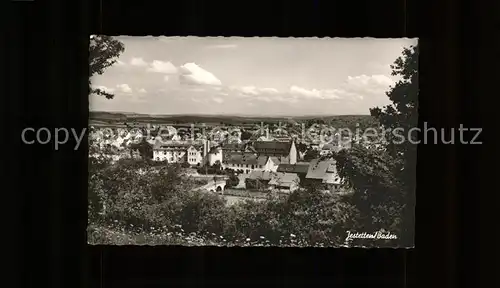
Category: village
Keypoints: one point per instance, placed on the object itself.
(238, 161)
(203, 141)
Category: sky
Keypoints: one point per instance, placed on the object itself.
(249, 76)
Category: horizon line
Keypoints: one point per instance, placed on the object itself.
(226, 115)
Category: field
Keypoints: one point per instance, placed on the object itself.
(117, 119)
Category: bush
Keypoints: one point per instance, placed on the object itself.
(159, 206)
(233, 181)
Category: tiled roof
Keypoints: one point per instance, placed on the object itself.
(331, 178)
(318, 169)
(283, 147)
(328, 147)
(242, 159)
(260, 175)
(280, 160)
(250, 149)
(215, 150)
(229, 155)
(294, 168)
(284, 179)
(233, 146)
(262, 160)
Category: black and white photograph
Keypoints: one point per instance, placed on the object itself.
(258, 141)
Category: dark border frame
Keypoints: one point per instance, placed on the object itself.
(47, 87)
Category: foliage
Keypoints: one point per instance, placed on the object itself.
(246, 135)
(384, 179)
(210, 170)
(104, 51)
(217, 165)
(143, 204)
(233, 181)
(311, 154)
(144, 148)
(301, 147)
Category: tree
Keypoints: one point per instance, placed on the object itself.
(311, 155)
(403, 113)
(233, 181)
(384, 180)
(104, 52)
(217, 165)
(301, 147)
(144, 148)
(246, 135)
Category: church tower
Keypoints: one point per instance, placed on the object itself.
(293, 153)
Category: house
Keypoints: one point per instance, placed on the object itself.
(171, 153)
(328, 148)
(271, 163)
(214, 155)
(300, 169)
(282, 138)
(272, 148)
(258, 179)
(250, 149)
(324, 173)
(246, 162)
(191, 152)
(194, 155)
(285, 182)
(230, 148)
(277, 149)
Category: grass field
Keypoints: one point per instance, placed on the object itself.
(106, 118)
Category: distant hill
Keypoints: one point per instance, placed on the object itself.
(120, 117)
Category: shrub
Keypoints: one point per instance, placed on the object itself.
(233, 181)
(141, 204)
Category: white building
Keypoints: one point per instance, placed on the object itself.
(215, 155)
(195, 154)
(170, 153)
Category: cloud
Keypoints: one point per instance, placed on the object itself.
(371, 84)
(354, 88)
(218, 100)
(105, 89)
(263, 98)
(223, 46)
(119, 63)
(197, 89)
(252, 90)
(138, 62)
(124, 88)
(158, 66)
(142, 90)
(315, 93)
(190, 73)
(166, 78)
(305, 92)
